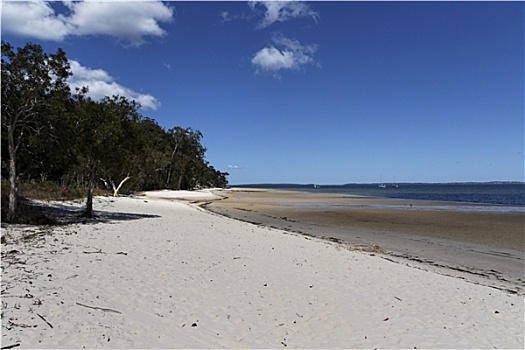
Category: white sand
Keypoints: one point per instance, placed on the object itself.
(185, 195)
(174, 276)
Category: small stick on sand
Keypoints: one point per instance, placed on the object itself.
(10, 346)
(42, 317)
(100, 308)
(97, 252)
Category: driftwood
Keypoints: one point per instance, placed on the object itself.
(115, 188)
(100, 308)
(101, 252)
(42, 317)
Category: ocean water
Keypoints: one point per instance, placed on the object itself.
(496, 194)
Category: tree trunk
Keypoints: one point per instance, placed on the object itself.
(89, 202)
(91, 184)
(11, 215)
(168, 178)
(180, 182)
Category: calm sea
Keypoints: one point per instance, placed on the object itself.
(501, 194)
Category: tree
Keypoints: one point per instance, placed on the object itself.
(89, 118)
(124, 158)
(186, 157)
(31, 79)
(155, 161)
(108, 141)
(77, 141)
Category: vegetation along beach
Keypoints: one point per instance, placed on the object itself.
(262, 175)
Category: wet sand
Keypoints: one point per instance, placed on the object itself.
(479, 245)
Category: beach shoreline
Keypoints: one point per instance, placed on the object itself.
(159, 271)
(484, 247)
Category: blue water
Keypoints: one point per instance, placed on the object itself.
(500, 194)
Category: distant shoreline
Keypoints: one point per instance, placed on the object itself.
(279, 184)
(493, 193)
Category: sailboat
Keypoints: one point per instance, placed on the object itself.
(382, 185)
(394, 183)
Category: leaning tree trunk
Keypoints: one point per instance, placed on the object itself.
(113, 187)
(168, 179)
(116, 189)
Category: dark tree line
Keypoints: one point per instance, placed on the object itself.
(50, 133)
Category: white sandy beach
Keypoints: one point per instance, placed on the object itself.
(161, 272)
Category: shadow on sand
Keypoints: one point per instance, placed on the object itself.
(65, 214)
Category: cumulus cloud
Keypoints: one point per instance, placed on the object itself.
(281, 11)
(34, 19)
(127, 20)
(284, 53)
(101, 84)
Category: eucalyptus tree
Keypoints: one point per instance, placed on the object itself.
(108, 142)
(212, 177)
(91, 136)
(123, 161)
(31, 80)
(186, 157)
(156, 160)
(75, 139)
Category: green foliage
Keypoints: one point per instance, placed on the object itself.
(33, 82)
(79, 143)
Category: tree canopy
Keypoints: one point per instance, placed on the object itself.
(52, 134)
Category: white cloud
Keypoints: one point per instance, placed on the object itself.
(289, 54)
(226, 17)
(33, 19)
(127, 20)
(101, 84)
(234, 167)
(280, 11)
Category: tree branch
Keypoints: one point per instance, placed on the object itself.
(115, 190)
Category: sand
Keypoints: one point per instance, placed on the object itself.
(484, 245)
(164, 273)
(432, 219)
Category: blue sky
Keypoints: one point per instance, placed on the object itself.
(309, 92)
